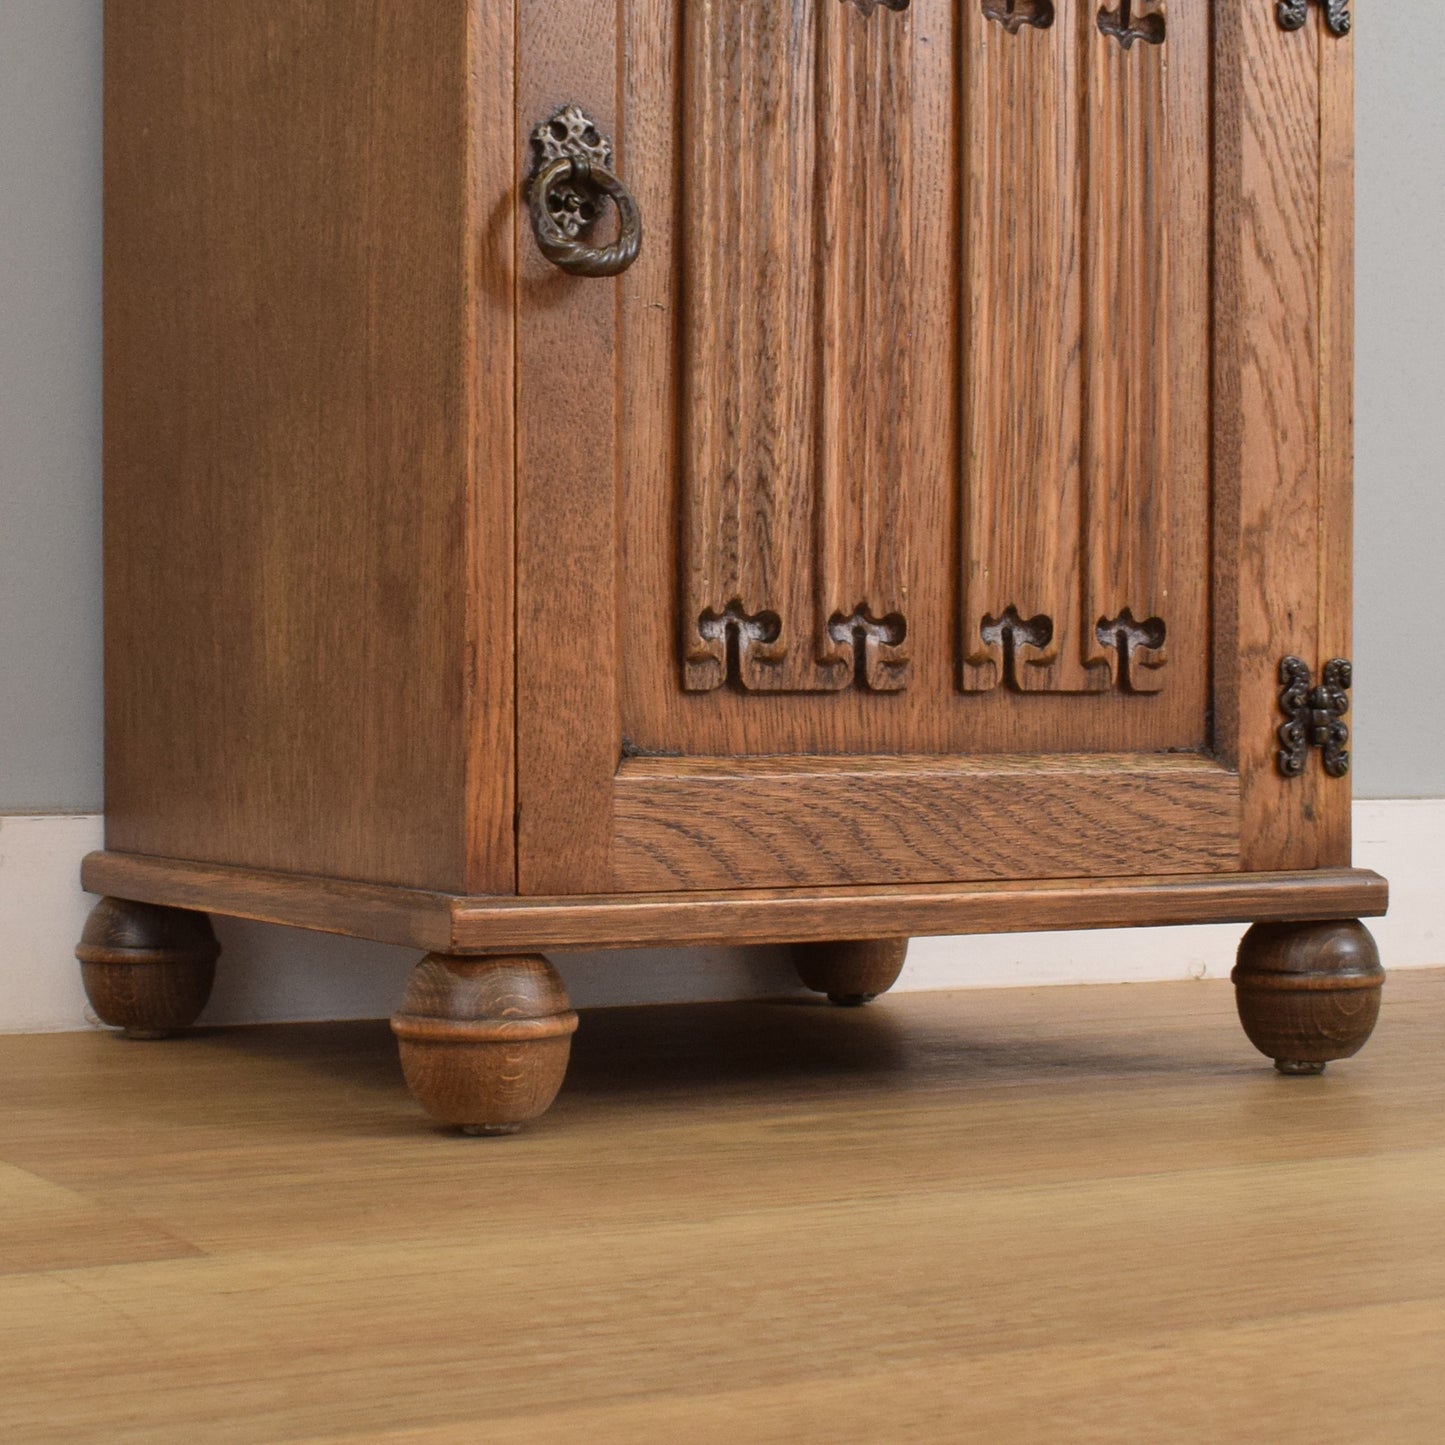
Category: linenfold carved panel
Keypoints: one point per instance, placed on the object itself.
(1067, 456)
(798, 154)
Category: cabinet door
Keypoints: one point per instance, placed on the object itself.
(867, 526)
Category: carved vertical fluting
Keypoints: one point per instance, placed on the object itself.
(1021, 516)
(797, 166)
(1127, 437)
(747, 498)
(1069, 364)
(865, 173)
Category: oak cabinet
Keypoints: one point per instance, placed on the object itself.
(603, 472)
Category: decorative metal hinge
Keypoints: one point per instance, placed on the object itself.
(1293, 14)
(869, 6)
(1314, 715)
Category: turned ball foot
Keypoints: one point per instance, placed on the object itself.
(484, 1041)
(147, 970)
(1308, 993)
(852, 973)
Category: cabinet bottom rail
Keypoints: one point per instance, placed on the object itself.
(460, 924)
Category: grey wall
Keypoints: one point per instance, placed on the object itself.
(50, 72)
(1399, 405)
(50, 58)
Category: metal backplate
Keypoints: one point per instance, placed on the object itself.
(571, 132)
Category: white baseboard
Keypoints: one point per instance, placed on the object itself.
(274, 974)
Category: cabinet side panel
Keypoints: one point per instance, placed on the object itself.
(1337, 395)
(1282, 310)
(287, 429)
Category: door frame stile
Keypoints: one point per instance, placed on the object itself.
(567, 417)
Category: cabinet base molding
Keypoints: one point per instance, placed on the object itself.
(485, 1028)
(456, 924)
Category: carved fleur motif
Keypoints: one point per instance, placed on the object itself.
(740, 647)
(876, 642)
(1293, 14)
(869, 6)
(1138, 645)
(1126, 25)
(746, 651)
(1009, 633)
(1013, 15)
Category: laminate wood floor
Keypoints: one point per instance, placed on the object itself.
(1025, 1215)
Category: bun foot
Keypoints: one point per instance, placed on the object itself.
(147, 970)
(1308, 993)
(850, 973)
(1298, 1066)
(485, 1041)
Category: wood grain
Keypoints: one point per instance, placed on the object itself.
(1022, 515)
(768, 823)
(1336, 402)
(484, 1041)
(449, 924)
(867, 127)
(1134, 234)
(795, 228)
(1103, 1215)
(751, 361)
(785, 359)
(929, 716)
(307, 458)
(569, 364)
(147, 970)
(1146, 340)
(489, 248)
(1308, 994)
(850, 971)
(411, 917)
(1086, 529)
(1281, 362)
(916, 283)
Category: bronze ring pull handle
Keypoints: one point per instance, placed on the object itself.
(565, 251)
